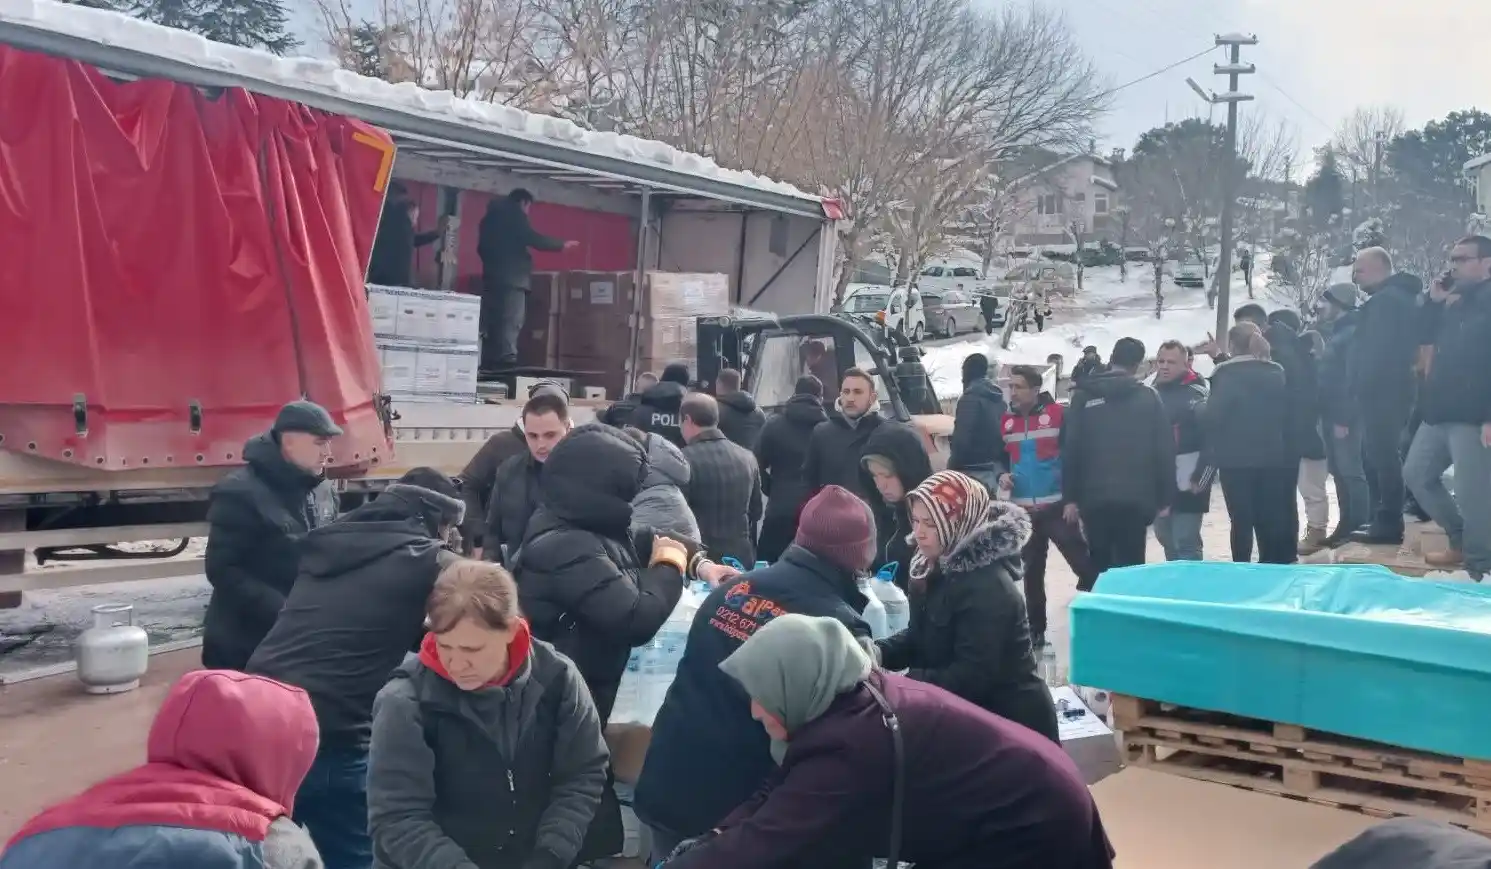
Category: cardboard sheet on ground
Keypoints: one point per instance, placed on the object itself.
(1160, 821)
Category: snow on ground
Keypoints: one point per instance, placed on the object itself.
(1105, 310)
(326, 77)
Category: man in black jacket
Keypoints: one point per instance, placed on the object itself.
(392, 262)
(707, 754)
(1380, 383)
(515, 486)
(256, 518)
(480, 474)
(620, 413)
(780, 454)
(1184, 395)
(1340, 413)
(837, 447)
(978, 445)
(656, 410)
(356, 610)
(1090, 363)
(1455, 402)
(724, 483)
(1295, 353)
(740, 419)
(1118, 459)
(503, 242)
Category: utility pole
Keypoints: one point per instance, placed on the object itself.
(1378, 141)
(1233, 68)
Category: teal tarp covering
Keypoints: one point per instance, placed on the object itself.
(1350, 649)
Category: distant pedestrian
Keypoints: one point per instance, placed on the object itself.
(1089, 364)
(1381, 384)
(1245, 262)
(724, 482)
(1456, 406)
(1118, 459)
(1032, 438)
(1341, 416)
(1184, 396)
(780, 454)
(657, 407)
(740, 419)
(977, 447)
(256, 517)
(1247, 428)
(836, 450)
(546, 421)
(896, 457)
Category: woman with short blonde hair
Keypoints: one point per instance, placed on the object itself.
(487, 748)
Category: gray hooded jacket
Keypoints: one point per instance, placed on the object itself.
(661, 504)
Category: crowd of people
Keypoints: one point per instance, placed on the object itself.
(432, 671)
(423, 681)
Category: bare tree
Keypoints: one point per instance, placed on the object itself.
(1360, 143)
(1309, 261)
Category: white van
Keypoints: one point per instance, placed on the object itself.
(898, 308)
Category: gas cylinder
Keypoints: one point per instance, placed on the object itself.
(114, 653)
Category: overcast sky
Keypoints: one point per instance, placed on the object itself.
(1317, 59)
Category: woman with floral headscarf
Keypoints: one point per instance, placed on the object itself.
(872, 764)
(969, 632)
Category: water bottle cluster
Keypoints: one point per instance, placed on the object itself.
(888, 611)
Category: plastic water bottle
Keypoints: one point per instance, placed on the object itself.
(732, 561)
(897, 605)
(1047, 667)
(761, 565)
(874, 612)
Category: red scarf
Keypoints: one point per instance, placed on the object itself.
(517, 652)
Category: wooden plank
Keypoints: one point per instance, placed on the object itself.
(1378, 806)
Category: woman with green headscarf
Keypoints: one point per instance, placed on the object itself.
(873, 764)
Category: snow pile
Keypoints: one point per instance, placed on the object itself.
(1104, 311)
(316, 75)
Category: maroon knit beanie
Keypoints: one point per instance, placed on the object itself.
(839, 528)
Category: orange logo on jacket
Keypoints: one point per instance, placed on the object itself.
(743, 612)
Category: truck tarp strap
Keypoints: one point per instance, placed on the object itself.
(783, 267)
(157, 240)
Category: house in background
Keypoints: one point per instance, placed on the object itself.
(1078, 189)
(1479, 173)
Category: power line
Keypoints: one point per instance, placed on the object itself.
(1297, 104)
(1157, 72)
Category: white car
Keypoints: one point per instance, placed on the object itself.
(897, 308)
(1189, 272)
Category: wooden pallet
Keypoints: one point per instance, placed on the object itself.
(1293, 761)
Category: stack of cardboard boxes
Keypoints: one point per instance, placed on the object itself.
(427, 341)
(583, 322)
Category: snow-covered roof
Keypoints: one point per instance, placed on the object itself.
(1105, 182)
(417, 117)
(1478, 162)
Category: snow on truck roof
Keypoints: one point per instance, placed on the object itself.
(435, 123)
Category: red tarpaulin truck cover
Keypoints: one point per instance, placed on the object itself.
(164, 249)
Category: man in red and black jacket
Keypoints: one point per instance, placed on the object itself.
(1184, 394)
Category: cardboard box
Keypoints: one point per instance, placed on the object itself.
(628, 744)
(538, 342)
(460, 318)
(399, 360)
(417, 317)
(1086, 737)
(383, 308)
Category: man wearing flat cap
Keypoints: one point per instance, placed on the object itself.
(256, 518)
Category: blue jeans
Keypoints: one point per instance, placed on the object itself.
(1466, 515)
(1179, 535)
(332, 804)
(1353, 498)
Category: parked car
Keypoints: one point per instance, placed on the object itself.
(1056, 278)
(941, 278)
(898, 308)
(1190, 272)
(952, 312)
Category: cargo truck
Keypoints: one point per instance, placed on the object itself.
(186, 251)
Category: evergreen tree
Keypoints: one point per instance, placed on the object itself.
(248, 23)
(365, 50)
(1325, 192)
